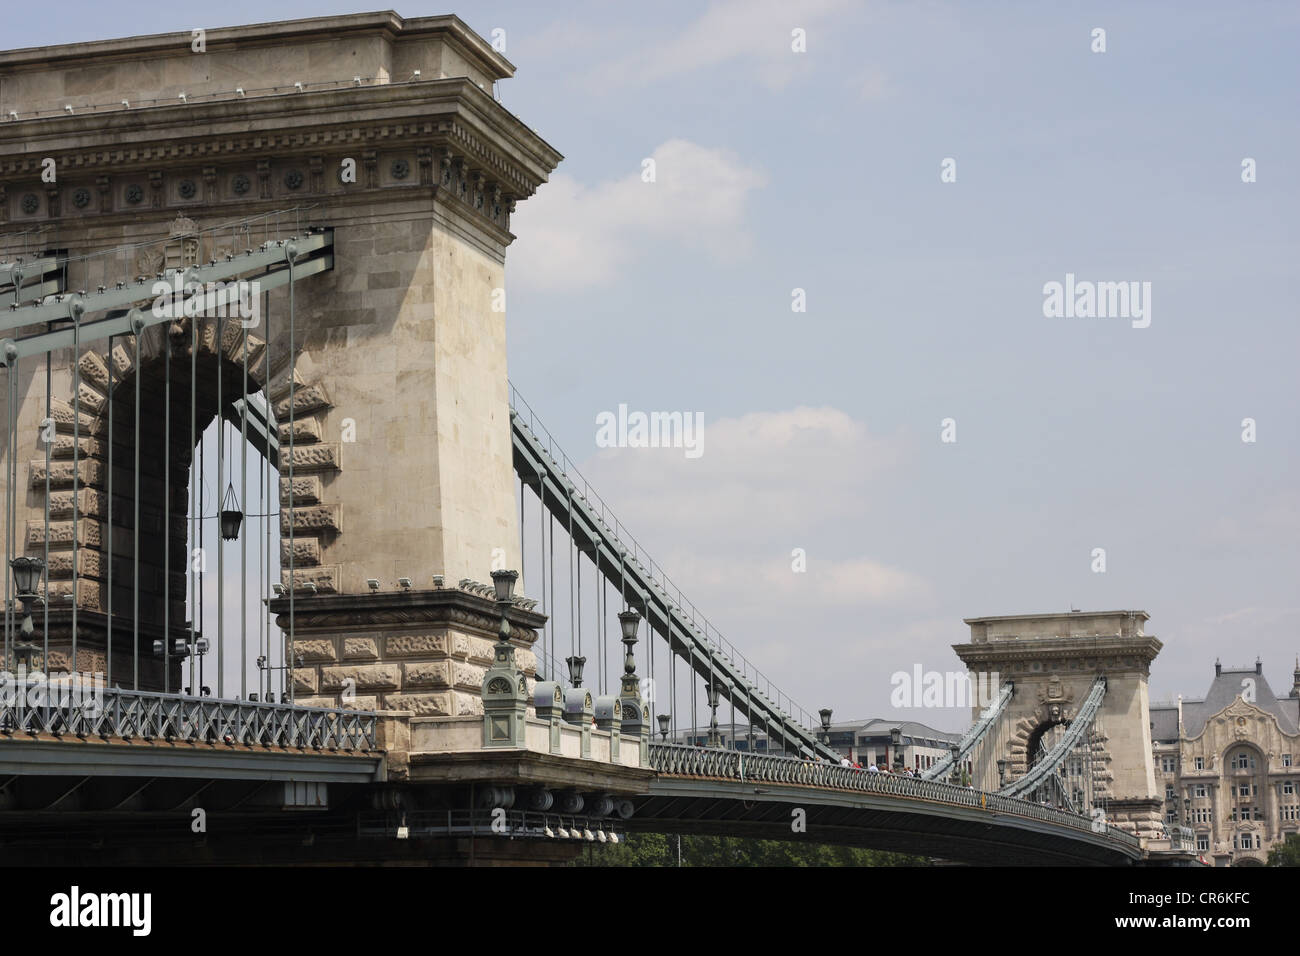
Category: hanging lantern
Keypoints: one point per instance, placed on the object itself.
(231, 517)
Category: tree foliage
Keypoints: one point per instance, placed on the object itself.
(1286, 853)
(659, 849)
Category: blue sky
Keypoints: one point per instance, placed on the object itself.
(820, 170)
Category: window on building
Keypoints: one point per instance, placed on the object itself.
(1199, 790)
(1171, 816)
(1286, 760)
(1259, 812)
(1288, 787)
(1169, 791)
(1202, 843)
(1200, 763)
(1167, 764)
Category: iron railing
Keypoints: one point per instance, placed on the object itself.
(174, 717)
(713, 763)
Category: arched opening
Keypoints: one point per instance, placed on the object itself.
(178, 418)
(1041, 740)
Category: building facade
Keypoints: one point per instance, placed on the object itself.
(1229, 765)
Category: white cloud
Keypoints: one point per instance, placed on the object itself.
(754, 31)
(573, 236)
(767, 483)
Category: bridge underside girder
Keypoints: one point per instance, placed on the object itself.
(913, 827)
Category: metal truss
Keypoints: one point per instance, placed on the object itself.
(272, 265)
(22, 281)
(1046, 768)
(627, 566)
(35, 707)
(979, 729)
(732, 765)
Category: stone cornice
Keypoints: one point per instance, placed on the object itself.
(385, 23)
(439, 606)
(453, 114)
(1144, 647)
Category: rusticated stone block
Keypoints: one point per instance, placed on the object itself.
(415, 645)
(304, 680)
(356, 703)
(360, 648)
(306, 431)
(309, 458)
(89, 472)
(315, 650)
(312, 518)
(306, 552)
(92, 399)
(326, 579)
(421, 705)
(479, 649)
(62, 413)
(468, 676)
(306, 490)
(88, 560)
(89, 447)
(88, 533)
(94, 369)
(468, 705)
(305, 399)
(363, 676)
(426, 674)
(90, 594)
(89, 502)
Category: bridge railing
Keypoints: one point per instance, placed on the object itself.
(685, 761)
(34, 707)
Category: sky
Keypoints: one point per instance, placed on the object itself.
(822, 170)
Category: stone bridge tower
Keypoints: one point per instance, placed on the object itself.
(1053, 660)
(388, 131)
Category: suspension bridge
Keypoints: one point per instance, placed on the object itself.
(261, 450)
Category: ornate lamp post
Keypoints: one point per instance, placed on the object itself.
(825, 713)
(954, 773)
(575, 669)
(715, 739)
(1002, 774)
(27, 580)
(505, 689)
(636, 715)
(664, 720)
(896, 741)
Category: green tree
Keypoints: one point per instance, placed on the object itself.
(1286, 853)
(658, 849)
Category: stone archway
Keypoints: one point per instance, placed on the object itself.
(166, 453)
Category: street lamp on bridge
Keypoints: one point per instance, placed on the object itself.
(826, 725)
(664, 720)
(896, 741)
(27, 579)
(1002, 774)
